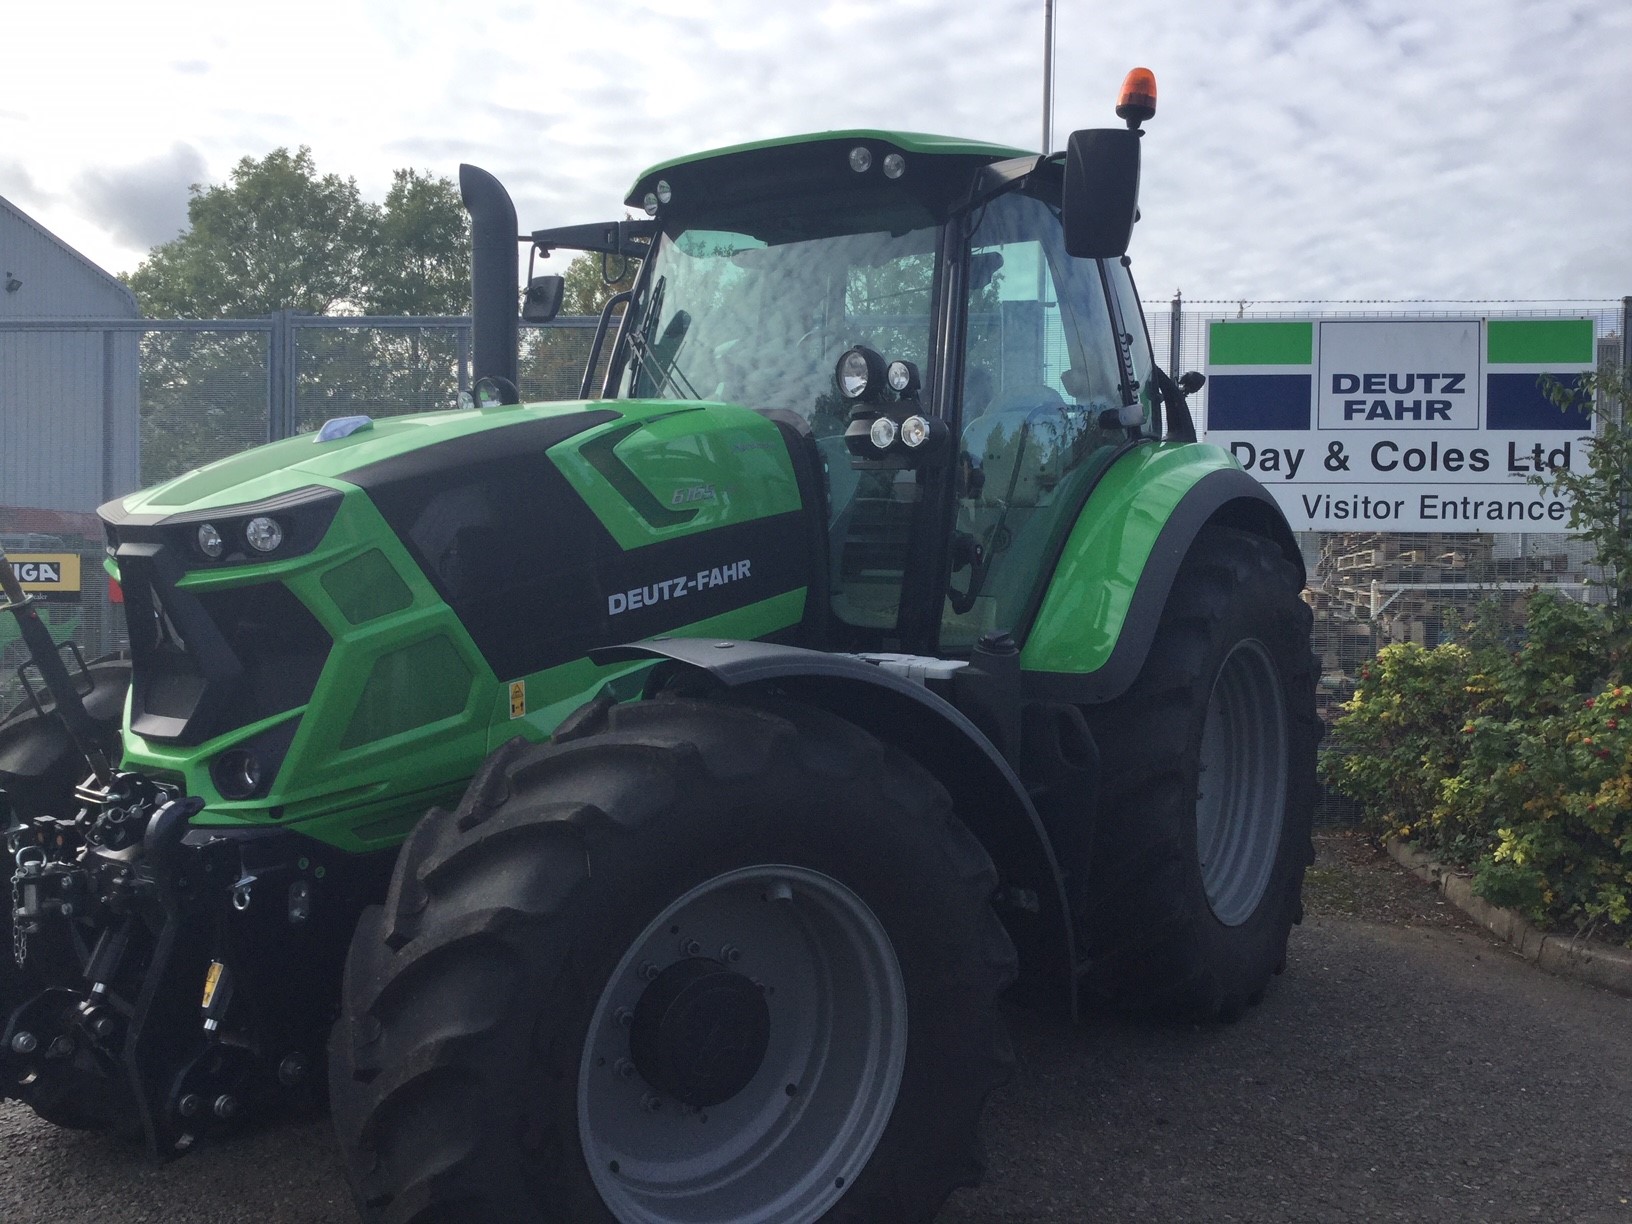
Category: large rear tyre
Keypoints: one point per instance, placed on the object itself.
(1208, 793)
(713, 961)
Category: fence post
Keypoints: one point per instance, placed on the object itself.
(1626, 351)
(1623, 582)
(1174, 328)
(276, 341)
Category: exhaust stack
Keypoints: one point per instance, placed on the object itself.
(495, 288)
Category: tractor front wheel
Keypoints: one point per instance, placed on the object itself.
(712, 960)
(1204, 830)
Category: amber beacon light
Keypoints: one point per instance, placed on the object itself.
(1137, 101)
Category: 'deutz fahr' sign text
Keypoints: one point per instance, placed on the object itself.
(1401, 424)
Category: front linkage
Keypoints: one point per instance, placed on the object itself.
(163, 981)
(174, 982)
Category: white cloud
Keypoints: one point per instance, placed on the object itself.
(1303, 148)
(143, 204)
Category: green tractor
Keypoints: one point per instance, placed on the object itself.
(636, 807)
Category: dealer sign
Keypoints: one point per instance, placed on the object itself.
(1401, 424)
(49, 577)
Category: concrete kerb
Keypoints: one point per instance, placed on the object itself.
(1563, 955)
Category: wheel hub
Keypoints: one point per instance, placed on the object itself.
(700, 1032)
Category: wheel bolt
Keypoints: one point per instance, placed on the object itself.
(730, 955)
(624, 1068)
(690, 947)
(225, 1106)
(25, 1043)
(650, 1103)
(648, 971)
(61, 1047)
(188, 1105)
(624, 1017)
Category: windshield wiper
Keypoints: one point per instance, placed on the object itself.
(657, 361)
(659, 366)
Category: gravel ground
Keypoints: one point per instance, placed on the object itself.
(1405, 1068)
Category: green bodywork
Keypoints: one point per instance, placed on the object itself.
(1087, 601)
(407, 707)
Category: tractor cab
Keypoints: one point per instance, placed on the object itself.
(909, 306)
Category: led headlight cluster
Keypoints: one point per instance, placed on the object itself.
(862, 376)
(912, 433)
(263, 534)
(860, 373)
(660, 194)
(861, 161)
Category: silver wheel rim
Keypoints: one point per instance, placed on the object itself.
(1241, 793)
(788, 1144)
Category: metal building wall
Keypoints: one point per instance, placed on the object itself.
(66, 391)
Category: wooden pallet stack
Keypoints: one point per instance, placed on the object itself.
(1372, 589)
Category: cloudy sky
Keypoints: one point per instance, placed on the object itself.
(1303, 149)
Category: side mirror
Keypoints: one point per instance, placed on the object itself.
(1101, 196)
(542, 301)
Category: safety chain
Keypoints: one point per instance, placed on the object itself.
(19, 941)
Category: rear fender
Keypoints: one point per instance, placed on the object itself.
(990, 799)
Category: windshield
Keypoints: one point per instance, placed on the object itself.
(757, 309)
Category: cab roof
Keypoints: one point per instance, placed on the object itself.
(763, 155)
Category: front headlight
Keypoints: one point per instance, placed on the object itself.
(263, 533)
(860, 373)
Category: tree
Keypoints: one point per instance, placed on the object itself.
(587, 289)
(417, 261)
(278, 236)
(1600, 497)
(553, 358)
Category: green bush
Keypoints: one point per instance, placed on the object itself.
(1514, 762)
(1514, 759)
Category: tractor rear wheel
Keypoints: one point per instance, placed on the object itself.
(1204, 830)
(697, 960)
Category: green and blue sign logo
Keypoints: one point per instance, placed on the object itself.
(1518, 353)
(1261, 375)
(1417, 423)
(1412, 373)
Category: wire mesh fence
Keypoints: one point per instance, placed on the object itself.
(205, 390)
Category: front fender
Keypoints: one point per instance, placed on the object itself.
(990, 799)
(1099, 614)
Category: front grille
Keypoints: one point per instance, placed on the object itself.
(207, 663)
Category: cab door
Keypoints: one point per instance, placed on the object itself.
(1044, 377)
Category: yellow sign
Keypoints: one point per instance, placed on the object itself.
(51, 575)
(518, 698)
(212, 979)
